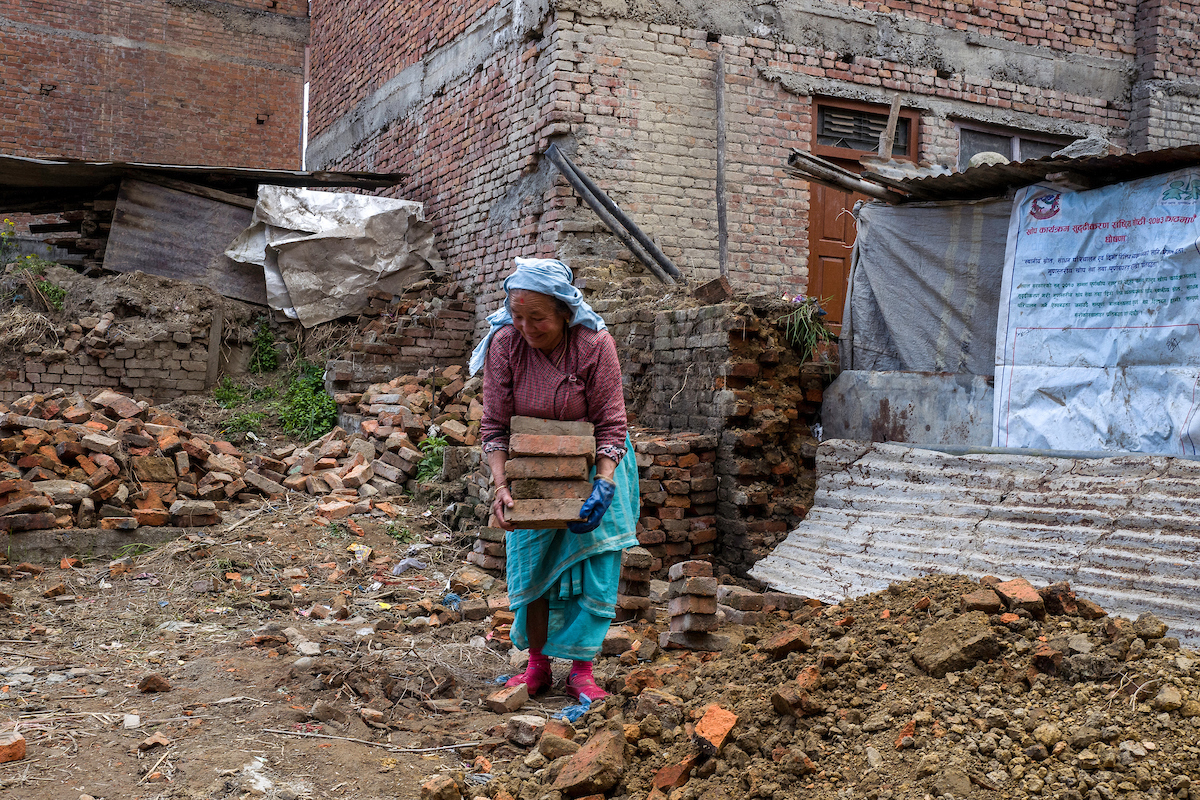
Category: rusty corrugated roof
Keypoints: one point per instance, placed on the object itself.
(1089, 172)
(1121, 529)
(41, 185)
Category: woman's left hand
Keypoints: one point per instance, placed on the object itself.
(595, 506)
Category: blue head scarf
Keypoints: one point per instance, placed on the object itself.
(547, 276)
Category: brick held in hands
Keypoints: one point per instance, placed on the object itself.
(536, 514)
(550, 427)
(562, 469)
(534, 489)
(531, 444)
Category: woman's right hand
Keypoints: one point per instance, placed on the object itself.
(501, 502)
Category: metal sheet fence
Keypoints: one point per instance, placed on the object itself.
(1125, 530)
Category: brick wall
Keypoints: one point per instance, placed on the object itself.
(1166, 96)
(165, 81)
(148, 336)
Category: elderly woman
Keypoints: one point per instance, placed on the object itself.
(548, 355)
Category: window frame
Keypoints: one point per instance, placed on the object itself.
(1015, 136)
(829, 151)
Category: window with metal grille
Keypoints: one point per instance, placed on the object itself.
(858, 130)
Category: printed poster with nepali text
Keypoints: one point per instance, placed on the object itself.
(1098, 344)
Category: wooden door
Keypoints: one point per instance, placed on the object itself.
(830, 239)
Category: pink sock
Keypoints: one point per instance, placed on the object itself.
(538, 659)
(582, 668)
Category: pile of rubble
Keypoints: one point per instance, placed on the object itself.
(74, 461)
(938, 687)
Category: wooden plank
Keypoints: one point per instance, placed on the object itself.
(199, 191)
(181, 235)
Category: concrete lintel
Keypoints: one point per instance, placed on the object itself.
(246, 20)
(92, 542)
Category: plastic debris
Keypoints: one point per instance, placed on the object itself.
(573, 713)
(406, 564)
(452, 601)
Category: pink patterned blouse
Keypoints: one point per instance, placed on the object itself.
(581, 379)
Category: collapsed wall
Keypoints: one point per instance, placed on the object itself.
(152, 337)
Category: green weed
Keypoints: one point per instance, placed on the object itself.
(306, 410)
(246, 422)
(264, 357)
(400, 533)
(430, 467)
(803, 327)
(228, 394)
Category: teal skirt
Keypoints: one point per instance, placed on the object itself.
(577, 572)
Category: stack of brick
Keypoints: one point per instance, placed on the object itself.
(429, 325)
(633, 590)
(547, 471)
(70, 461)
(730, 370)
(692, 605)
(489, 550)
(679, 497)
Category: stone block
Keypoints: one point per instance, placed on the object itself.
(596, 767)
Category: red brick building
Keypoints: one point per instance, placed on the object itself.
(465, 97)
(160, 81)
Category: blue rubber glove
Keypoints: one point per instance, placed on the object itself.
(595, 506)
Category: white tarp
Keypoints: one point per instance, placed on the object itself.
(1098, 344)
(321, 252)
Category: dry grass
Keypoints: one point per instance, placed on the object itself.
(21, 326)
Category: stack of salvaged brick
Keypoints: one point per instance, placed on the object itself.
(693, 609)
(71, 461)
(547, 471)
(633, 589)
(679, 497)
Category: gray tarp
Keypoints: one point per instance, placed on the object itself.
(925, 287)
(321, 252)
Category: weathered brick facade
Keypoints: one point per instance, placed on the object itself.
(166, 81)
(464, 99)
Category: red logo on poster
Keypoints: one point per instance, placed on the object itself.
(1044, 207)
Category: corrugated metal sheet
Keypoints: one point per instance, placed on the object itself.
(978, 183)
(1125, 531)
(1088, 172)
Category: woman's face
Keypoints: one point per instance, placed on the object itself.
(537, 319)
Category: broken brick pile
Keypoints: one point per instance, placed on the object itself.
(679, 497)
(409, 405)
(693, 609)
(71, 461)
(428, 325)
